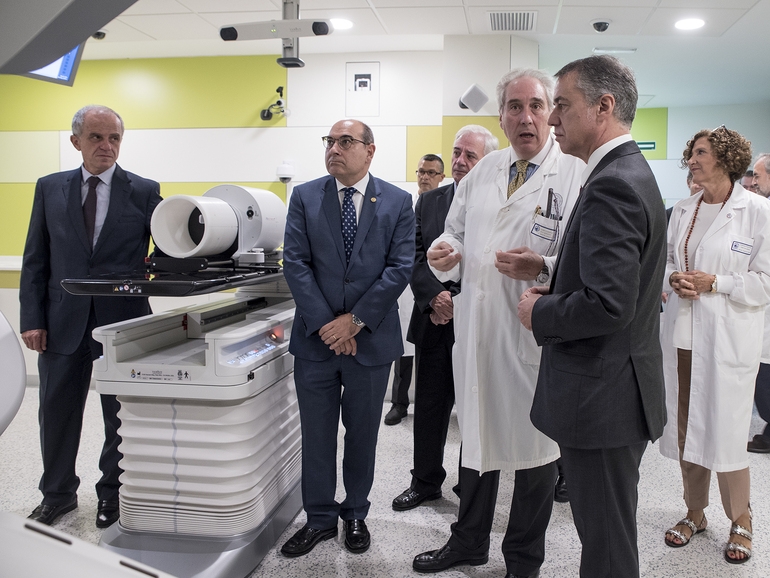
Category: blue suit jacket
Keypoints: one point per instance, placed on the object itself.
(369, 286)
(57, 248)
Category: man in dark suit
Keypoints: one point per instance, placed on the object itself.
(348, 255)
(90, 221)
(431, 328)
(430, 173)
(600, 388)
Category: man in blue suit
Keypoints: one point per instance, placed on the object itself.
(348, 255)
(90, 221)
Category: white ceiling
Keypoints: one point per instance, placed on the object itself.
(725, 62)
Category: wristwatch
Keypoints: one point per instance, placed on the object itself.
(357, 321)
(714, 285)
(543, 276)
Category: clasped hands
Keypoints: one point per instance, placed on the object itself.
(340, 334)
(690, 284)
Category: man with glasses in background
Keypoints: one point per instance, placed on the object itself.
(348, 253)
(430, 173)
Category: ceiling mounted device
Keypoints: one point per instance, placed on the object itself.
(288, 30)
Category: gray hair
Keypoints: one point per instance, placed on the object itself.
(80, 117)
(600, 75)
(545, 79)
(490, 141)
(765, 158)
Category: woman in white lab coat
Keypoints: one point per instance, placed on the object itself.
(718, 266)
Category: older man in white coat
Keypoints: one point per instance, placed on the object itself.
(501, 233)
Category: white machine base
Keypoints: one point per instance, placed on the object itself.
(205, 557)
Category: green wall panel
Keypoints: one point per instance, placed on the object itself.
(151, 93)
(651, 126)
(16, 200)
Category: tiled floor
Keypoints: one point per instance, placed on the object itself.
(397, 537)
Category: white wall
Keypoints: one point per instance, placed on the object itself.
(751, 120)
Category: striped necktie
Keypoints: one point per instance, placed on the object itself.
(349, 226)
(518, 180)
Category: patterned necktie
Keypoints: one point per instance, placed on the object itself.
(89, 208)
(349, 226)
(518, 180)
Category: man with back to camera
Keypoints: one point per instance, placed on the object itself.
(600, 391)
(430, 173)
(431, 328)
(511, 200)
(348, 254)
(90, 221)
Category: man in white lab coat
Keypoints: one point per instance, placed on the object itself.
(501, 234)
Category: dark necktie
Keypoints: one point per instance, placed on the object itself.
(349, 226)
(89, 208)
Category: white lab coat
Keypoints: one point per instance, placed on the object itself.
(727, 332)
(496, 360)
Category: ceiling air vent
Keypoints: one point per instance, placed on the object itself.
(512, 21)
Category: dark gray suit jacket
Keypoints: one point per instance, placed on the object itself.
(601, 377)
(430, 214)
(57, 248)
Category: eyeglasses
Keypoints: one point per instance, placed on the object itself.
(423, 172)
(345, 142)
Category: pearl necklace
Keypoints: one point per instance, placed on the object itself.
(692, 225)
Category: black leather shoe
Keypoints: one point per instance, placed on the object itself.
(759, 445)
(438, 560)
(305, 540)
(411, 498)
(511, 575)
(560, 491)
(47, 515)
(107, 513)
(395, 415)
(357, 537)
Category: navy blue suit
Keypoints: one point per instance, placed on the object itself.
(57, 248)
(324, 287)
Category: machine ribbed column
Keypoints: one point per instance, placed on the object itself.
(208, 468)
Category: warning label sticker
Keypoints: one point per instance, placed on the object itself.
(161, 375)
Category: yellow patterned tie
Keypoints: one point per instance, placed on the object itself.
(518, 180)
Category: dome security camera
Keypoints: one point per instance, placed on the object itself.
(99, 35)
(285, 172)
(601, 25)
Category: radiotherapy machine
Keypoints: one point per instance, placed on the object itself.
(210, 423)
